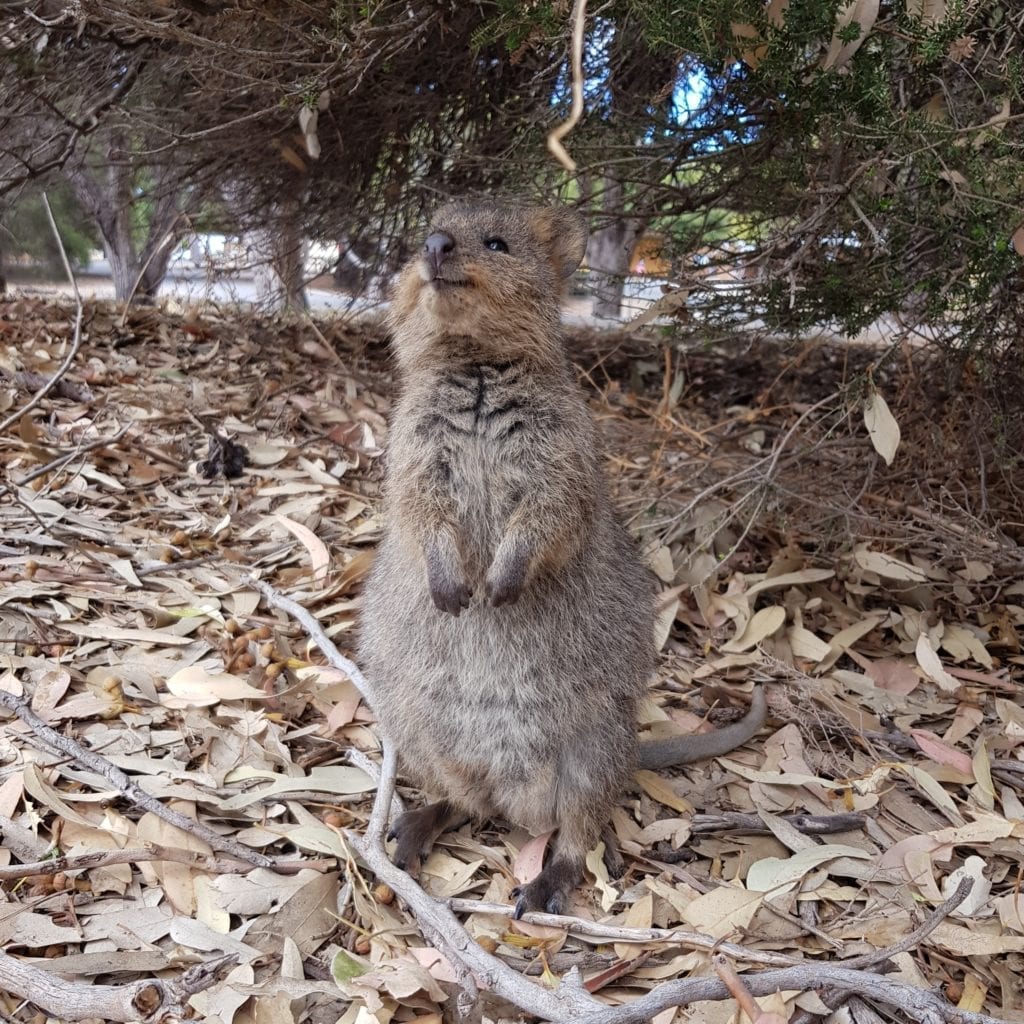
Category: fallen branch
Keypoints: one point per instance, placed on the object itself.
(697, 940)
(151, 852)
(150, 1000)
(61, 461)
(908, 942)
(360, 760)
(853, 975)
(617, 933)
(30, 381)
(752, 824)
(336, 660)
(316, 634)
(64, 746)
(921, 1005)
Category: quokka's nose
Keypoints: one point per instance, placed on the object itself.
(437, 248)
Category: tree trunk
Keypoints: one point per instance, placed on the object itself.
(610, 248)
(166, 226)
(280, 266)
(113, 220)
(290, 263)
(608, 253)
(107, 195)
(122, 267)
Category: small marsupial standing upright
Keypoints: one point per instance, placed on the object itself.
(508, 622)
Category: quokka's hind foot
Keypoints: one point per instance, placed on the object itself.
(612, 855)
(549, 892)
(417, 831)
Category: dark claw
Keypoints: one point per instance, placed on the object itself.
(506, 579)
(502, 593)
(614, 863)
(532, 897)
(520, 908)
(550, 891)
(392, 833)
(451, 598)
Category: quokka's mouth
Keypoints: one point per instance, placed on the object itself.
(443, 283)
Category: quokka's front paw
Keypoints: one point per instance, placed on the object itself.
(449, 596)
(506, 579)
(448, 587)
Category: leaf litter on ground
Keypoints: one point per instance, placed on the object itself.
(893, 660)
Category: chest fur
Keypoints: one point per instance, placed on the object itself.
(479, 431)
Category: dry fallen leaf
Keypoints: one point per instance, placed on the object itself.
(148, 644)
(776, 875)
(932, 667)
(859, 13)
(883, 429)
(318, 553)
(723, 912)
(195, 687)
(764, 623)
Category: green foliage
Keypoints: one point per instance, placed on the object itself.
(889, 182)
(25, 230)
(841, 168)
(515, 24)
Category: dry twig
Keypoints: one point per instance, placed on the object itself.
(617, 933)
(151, 852)
(152, 999)
(315, 633)
(559, 132)
(61, 461)
(753, 824)
(64, 746)
(917, 1004)
(696, 940)
(76, 342)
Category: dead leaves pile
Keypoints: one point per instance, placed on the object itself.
(127, 621)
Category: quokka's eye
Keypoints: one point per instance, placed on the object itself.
(496, 244)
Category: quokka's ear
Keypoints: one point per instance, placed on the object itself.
(564, 231)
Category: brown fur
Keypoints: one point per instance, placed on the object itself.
(508, 621)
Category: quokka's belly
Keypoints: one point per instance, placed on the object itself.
(508, 711)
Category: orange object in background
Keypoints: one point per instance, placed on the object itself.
(647, 256)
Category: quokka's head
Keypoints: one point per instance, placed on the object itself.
(489, 265)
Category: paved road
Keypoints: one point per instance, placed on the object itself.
(193, 286)
(187, 286)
